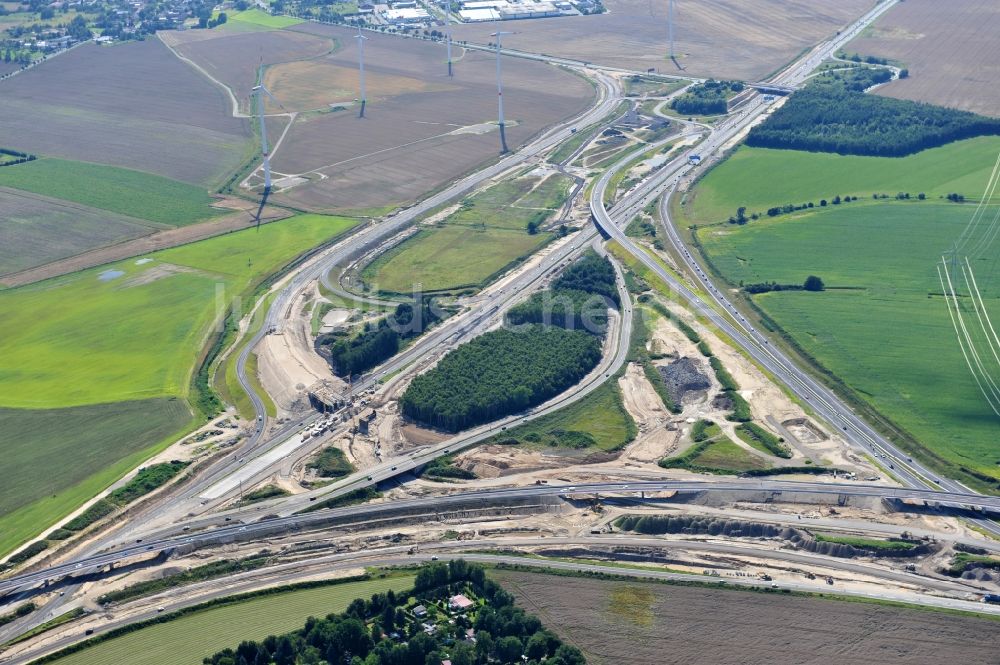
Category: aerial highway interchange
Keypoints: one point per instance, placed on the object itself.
(207, 512)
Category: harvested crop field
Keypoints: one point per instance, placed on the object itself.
(656, 624)
(135, 105)
(232, 59)
(711, 38)
(421, 128)
(950, 49)
(37, 229)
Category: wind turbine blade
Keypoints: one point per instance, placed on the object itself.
(268, 93)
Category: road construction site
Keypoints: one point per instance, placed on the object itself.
(525, 503)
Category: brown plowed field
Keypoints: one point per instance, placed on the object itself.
(232, 59)
(405, 146)
(653, 624)
(952, 50)
(134, 105)
(722, 38)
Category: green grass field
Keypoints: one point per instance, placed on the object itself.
(191, 637)
(598, 421)
(726, 455)
(79, 341)
(263, 19)
(484, 236)
(450, 258)
(887, 336)
(759, 178)
(37, 443)
(133, 193)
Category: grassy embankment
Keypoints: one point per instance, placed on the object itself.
(487, 235)
(881, 331)
(124, 347)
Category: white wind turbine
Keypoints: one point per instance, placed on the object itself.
(503, 135)
(447, 31)
(361, 69)
(255, 94)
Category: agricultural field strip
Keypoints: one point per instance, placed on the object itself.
(828, 405)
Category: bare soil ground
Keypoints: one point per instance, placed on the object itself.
(640, 623)
(150, 243)
(36, 229)
(232, 59)
(724, 38)
(654, 441)
(951, 49)
(421, 128)
(135, 105)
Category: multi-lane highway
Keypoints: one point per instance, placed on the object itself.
(199, 534)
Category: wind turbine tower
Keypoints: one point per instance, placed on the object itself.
(503, 134)
(361, 69)
(447, 30)
(670, 27)
(255, 94)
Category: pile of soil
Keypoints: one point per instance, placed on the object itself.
(683, 376)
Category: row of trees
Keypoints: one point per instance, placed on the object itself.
(708, 98)
(500, 373)
(833, 115)
(379, 341)
(381, 631)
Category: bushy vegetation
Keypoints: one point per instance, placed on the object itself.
(145, 481)
(708, 98)
(264, 493)
(760, 438)
(378, 341)
(209, 571)
(22, 610)
(349, 499)
(443, 468)
(865, 543)
(656, 379)
(703, 429)
(833, 114)
(963, 561)
(384, 630)
(331, 463)
(500, 373)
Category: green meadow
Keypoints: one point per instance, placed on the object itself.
(128, 331)
(487, 234)
(759, 178)
(262, 19)
(191, 637)
(124, 191)
(881, 326)
(448, 258)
